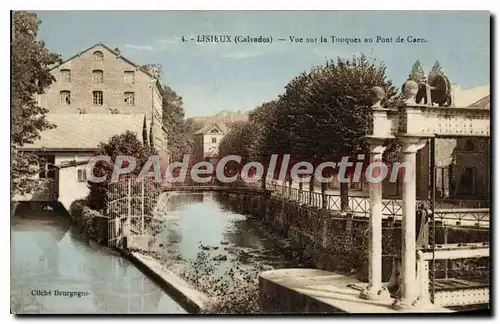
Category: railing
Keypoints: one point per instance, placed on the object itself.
(452, 212)
(130, 208)
(447, 211)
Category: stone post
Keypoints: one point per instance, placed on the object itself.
(409, 132)
(410, 285)
(378, 132)
(374, 289)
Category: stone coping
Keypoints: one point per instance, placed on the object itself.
(189, 298)
(329, 290)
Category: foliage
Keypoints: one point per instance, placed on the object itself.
(155, 69)
(322, 115)
(417, 72)
(124, 144)
(31, 63)
(179, 131)
(76, 208)
(436, 69)
(239, 141)
(173, 118)
(191, 126)
(235, 292)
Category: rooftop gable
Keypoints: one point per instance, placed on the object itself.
(117, 54)
(209, 127)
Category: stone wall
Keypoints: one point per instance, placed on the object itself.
(334, 242)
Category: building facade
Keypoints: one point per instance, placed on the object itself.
(99, 80)
(207, 141)
(65, 151)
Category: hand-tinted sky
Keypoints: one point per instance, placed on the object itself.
(215, 77)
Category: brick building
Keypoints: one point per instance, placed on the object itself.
(100, 80)
(97, 93)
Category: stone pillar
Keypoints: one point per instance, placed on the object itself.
(375, 289)
(379, 130)
(410, 285)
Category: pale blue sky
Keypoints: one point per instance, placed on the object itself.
(214, 77)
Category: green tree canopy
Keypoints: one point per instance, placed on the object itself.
(322, 115)
(436, 69)
(417, 72)
(125, 144)
(31, 64)
(173, 119)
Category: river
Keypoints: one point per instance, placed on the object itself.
(194, 220)
(48, 256)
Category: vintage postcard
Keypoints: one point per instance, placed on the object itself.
(257, 162)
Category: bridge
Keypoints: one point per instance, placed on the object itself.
(244, 190)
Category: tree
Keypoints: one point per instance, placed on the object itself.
(154, 69)
(326, 109)
(173, 119)
(322, 116)
(31, 64)
(417, 72)
(436, 69)
(125, 144)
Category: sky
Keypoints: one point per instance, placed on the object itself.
(229, 76)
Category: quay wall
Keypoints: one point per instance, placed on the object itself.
(331, 240)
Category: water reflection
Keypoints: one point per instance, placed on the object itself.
(194, 218)
(49, 257)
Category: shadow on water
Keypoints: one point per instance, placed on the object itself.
(49, 257)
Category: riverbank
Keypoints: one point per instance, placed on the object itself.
(339, 242)
(189, 298)
(221, 259)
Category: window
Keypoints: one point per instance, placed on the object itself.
(129, 98)
(46, 164)
(82, 175)
(65, 97)
(65, 75)
(129, 76)
(98, 56)
(214, 131)
(214, 140)
(97, 98)
(97, 76)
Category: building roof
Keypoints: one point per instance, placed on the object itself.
(84, 132)
(467, 97)
(207, 128)
(483, 103)
(118, 54)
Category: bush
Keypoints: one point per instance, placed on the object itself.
(124, 144)
(236, 292)
(76, 208)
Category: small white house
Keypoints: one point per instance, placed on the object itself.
(207, 141)
(65, 150)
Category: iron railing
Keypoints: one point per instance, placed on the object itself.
(448, 211)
